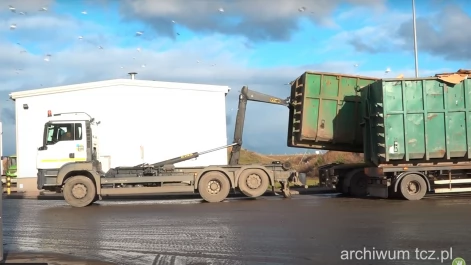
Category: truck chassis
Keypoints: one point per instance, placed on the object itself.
(82, 183)
(410, 182)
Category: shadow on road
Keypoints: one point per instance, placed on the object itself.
(174, 196)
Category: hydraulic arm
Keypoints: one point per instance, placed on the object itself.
(185, 157)
(246, 95)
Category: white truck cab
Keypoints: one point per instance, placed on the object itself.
(67, 138)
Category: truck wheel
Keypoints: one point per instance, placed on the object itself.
(358, 185)
(413, 187)
(79, 191)
(253, 182)
(214, 186)
(346, 180)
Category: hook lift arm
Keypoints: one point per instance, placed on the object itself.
(246, 95)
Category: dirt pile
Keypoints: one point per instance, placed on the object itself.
(303, 163)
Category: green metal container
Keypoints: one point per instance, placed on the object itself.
(412, 121)
(327, 112)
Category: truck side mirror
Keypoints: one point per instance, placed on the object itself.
(42, 148)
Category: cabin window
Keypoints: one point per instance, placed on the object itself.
(58, 132)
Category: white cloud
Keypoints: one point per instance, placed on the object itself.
(260, 21)
(441, 34)
(440, 31)
(48, 32)
(30, 6)
(363, 13)
(47, 22)
(378, 36)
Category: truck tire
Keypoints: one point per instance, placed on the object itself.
(413, 187)
(214, 186)
(339, 185)
(253, 182)
(79, 191)
(345, 179)
(359, 185)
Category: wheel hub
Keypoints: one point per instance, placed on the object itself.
(79, 191)
(254, 181)
(413, 187)
(214, 187)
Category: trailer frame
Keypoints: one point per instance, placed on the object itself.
(409, 181)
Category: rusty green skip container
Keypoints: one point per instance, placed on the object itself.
(326, 111)
(410, 121)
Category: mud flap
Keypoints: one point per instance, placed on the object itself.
(378, 187)
(301, 180)
(41, 180)
(274, 191)
(378, 191)
(298, 179)
(285, 189)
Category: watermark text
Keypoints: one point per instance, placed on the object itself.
(379, 254)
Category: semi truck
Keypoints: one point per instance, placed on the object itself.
(78, 173)
(414, 132)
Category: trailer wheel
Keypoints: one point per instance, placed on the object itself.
(214, 186)
(79, 191)
(413, 187)
(358, 185)
(253, 182)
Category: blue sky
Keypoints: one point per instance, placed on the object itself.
(251, 43)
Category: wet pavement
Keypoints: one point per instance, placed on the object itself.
(307, 229)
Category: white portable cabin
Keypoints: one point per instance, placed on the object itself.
(140, 121)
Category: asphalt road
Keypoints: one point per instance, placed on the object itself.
(307, 229)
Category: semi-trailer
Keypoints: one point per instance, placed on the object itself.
(84, 182)
(416, 133)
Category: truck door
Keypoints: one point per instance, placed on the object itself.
(63, 142)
